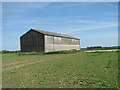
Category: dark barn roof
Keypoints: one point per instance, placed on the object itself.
(54, 34)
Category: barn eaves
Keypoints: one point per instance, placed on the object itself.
(54, 34)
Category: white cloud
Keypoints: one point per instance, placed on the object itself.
(94, 26)
(83, 5)
(70, 21)
(98, 26)
(9, 8)
(82, 21)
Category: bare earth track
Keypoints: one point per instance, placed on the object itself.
(14, 63)
(102, 50)
(32, 62)
(28, 62)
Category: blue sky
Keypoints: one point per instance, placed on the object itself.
(95, 23)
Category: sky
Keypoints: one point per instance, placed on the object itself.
(94, 23)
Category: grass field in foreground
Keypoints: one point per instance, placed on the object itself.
(79, 70)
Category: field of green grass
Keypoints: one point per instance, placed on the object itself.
(74, 70)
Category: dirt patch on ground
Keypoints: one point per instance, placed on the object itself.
(33, 62)
(102, 50)
(14, 63)
(22, 61)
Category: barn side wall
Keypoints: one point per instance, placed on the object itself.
(32, 42)
(49, 43)
(53, 43)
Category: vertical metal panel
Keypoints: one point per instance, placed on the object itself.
(32, 42)
(36, 42)
(21, 43)
(60, 43)
(49, 43)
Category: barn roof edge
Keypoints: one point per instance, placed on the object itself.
(54, 34)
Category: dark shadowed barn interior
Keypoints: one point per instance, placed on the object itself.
(43, 41)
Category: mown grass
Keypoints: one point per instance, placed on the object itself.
(82, 70)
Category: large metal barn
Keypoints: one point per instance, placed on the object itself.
(43, 41)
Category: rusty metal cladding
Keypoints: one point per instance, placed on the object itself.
(43, 41)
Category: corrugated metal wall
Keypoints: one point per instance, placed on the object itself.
(53, 43)
(32, 42)
(48, 43)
